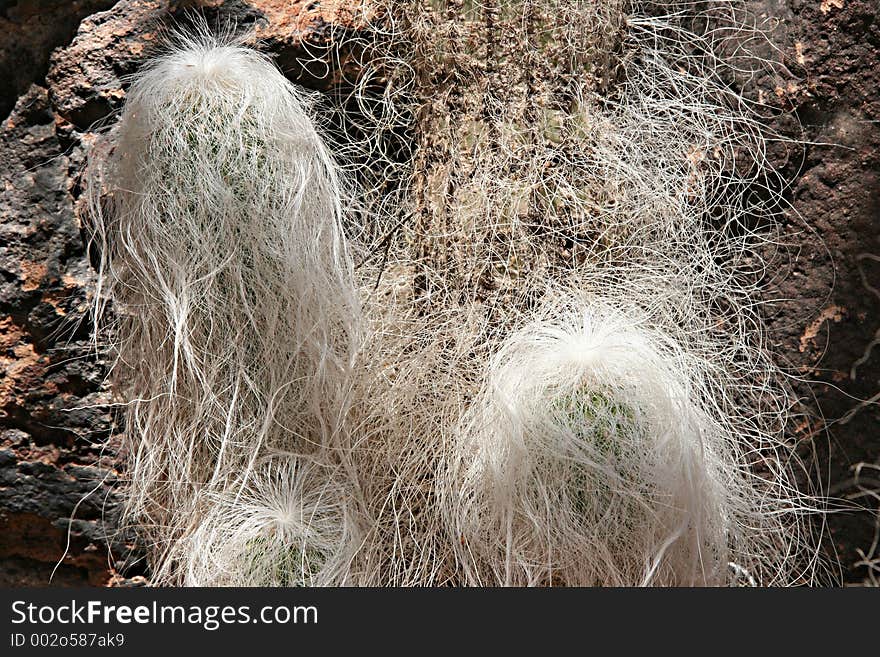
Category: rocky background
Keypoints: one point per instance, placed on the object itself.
(62, 75)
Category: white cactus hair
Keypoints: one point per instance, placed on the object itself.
(549, 367)
(288, 526)
(631, 185)
(221, 231)
(418, 375)
(592, 456)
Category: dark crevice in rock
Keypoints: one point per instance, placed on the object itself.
(29, 31)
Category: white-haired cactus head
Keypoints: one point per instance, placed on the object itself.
(221, 220)
(588, 459)
(288, 527)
